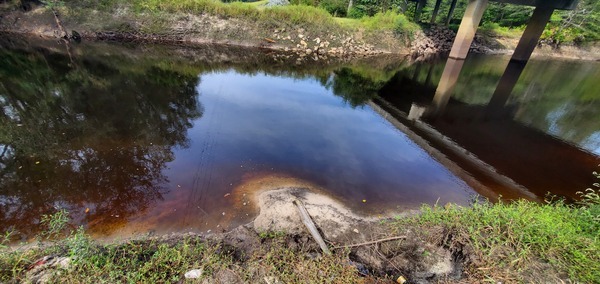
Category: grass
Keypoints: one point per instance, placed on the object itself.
(292, 14)
(389, 20)
(495, 30)
(520, 241)
(514, 239)
(499, 242)
(289, 15)
(167, 260)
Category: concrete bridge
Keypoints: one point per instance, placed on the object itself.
(464, 37)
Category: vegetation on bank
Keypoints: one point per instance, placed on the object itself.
(580, 26)
(509, 240)
(314, 18)
(500, 242)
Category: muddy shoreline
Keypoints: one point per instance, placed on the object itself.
(432, 42)
(418, 51)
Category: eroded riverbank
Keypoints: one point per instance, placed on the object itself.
(441, 245)
(317, 40)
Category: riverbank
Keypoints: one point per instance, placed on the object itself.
(517, 242)
(307, 31)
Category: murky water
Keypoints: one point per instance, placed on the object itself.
(138, 139)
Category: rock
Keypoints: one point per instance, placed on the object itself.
(41, 270)
(300, 36)
(308, 51)
(303, 43)
(365, 255)
(193, 274)
(272, 3)
(271, 280)
(317, 40)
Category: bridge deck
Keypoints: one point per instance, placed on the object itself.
(554, 4)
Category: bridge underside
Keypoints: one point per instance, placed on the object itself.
(552, 4)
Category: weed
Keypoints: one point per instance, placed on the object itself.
(5, 238)
(271, 234)
(54, 224)
(512, 236)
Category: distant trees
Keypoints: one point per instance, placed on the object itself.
(577, 26)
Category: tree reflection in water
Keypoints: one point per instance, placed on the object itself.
(87, 134)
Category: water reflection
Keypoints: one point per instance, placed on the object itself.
(532, 137)
(91, 134)
(124, 132)
(153, 138)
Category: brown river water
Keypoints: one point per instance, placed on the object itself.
(153, 139)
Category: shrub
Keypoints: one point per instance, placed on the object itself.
(336, 8)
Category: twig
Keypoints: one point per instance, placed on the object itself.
(308, 222)
(371, 242)
(64, 34)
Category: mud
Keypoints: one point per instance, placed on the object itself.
(193, 30)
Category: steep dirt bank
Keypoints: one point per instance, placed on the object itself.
(438, 40)
(303, 40)
(197, 29)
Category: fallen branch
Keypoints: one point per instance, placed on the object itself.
(371, 242)
(308, 222)
(64, 34)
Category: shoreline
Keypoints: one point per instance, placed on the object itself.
(306, 42)
(438, 245)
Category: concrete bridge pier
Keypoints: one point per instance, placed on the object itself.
(460, 48)
(527, 43)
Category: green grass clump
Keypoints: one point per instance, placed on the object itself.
(494, 29)
(167, 260)
(388, 20)
(510, 236)
(143, 261)
(293, 14)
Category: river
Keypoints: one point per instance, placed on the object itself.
(143, 139)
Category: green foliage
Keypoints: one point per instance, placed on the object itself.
(5, 239)
(389, 20)
(362, 8)
(304, 2)
(578, 26)
(495, 29)
(511, 236)
(54, 224)
(590, 200)
(337, 8)
(284, 15)
(506, 15)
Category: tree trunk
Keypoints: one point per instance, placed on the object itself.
(451, 12)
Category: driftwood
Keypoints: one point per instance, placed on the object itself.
(63, 32)
(308, 222)
(371, 242)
